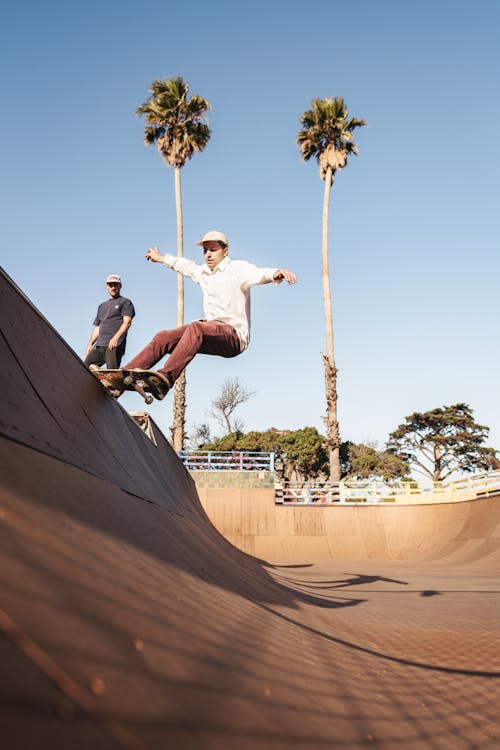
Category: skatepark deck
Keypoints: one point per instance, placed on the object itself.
(127, 620)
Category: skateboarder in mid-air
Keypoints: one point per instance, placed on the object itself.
(225, 329)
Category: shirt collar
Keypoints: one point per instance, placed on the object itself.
(221, 267)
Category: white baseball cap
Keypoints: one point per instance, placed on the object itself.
(214, 236)
(113, 278)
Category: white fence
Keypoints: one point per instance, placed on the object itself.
(346, 491)
(465, 488)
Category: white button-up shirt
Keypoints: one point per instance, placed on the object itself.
(226, 289)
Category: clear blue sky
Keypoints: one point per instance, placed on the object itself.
(414, 219)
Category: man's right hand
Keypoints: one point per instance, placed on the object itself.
(154, 254)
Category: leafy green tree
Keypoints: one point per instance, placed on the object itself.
(360, 461)
(327, 134)
(302, 451)
(229, 442)
(177, 124)
(442, 441)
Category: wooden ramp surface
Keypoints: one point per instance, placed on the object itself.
(458, 532)
(128, 621)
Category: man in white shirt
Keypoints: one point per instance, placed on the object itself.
(225, 330)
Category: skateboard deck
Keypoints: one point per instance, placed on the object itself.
(148, 383)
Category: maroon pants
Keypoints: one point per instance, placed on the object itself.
(200, 336)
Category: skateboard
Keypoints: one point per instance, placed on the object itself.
(150, 384)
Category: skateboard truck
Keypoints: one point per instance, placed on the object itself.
(140, 386)
(147, 383)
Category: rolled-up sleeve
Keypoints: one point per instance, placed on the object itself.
(253, 275)
(183, 265)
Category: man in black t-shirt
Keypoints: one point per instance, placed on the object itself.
(109, 336)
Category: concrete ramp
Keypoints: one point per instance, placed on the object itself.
(128, 621)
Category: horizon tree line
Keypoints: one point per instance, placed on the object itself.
(437, 444)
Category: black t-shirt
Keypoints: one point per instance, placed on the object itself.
(110, 317)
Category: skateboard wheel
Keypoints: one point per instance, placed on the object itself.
(127, 380)
(149, 399)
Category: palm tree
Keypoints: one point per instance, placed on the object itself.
(177, 124)
(327, 135)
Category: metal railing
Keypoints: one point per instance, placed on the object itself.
(307, 494)
(227, 460)
(473, 485)
(346, 491)
(352, 491)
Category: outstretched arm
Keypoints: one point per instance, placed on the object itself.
(181, 265)
(284, 273)
(252, 275)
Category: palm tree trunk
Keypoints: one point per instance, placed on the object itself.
(331, 423)
(178, 427)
